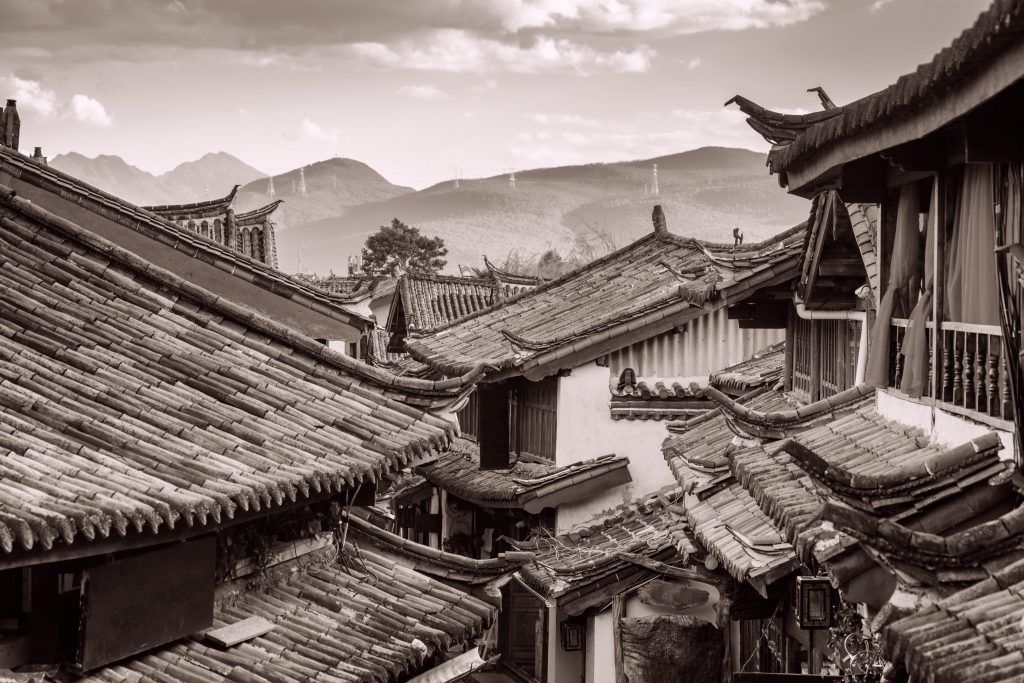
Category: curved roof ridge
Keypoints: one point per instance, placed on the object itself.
(260, 212)
(513, 278)
(787, 418)
(193, 206)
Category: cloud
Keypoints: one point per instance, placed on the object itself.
(877, 5)
(694, 63)
(565, 120)
(670, 16)
(311, 130)
(31, 95)
(421, 92)
(459, 51)
(89, 110)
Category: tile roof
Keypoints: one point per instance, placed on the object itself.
(364, 619)
(430, 301)
(258, 215)
(131, 398)
(884, 485)
(722, 515)
(650, 282)
(653, 398)
(637, 540)
(764, 368)
(180, 238)
(526, 485)
(996, 29)
(973, 635)
(439, 564)
(376, 353)
(780, 421)
(351, 288)
(864, 221)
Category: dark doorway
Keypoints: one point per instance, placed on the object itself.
(523, 633)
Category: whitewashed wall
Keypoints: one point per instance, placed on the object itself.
(708, 343)
(586, 430)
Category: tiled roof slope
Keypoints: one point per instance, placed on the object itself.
(430, 301)
(351, 289)
(864, 221)
(996, 29)
(973, 635)
(365, 619)
(526, 485)
(885, 485)
(636, 540)
(377, 354)
(650, 282)
(762, 369)
(132, 399)
(180, 238)
(722, 515)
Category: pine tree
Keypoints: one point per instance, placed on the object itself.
(399, 248)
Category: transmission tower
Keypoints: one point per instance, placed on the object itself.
(270, 186)
(302, 183)
(512, 179)
(655, 190)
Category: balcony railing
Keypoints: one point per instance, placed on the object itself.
(972, 371)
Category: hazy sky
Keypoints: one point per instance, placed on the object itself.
(420, 88)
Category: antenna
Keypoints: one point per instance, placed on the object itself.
(655, 190)
(270, 186)
(302, 183)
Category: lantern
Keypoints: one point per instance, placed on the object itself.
(816, 601)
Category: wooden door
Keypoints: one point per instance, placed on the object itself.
(523, 644)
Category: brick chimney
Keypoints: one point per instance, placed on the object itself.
(10, 125)
(658, 218)
(37, 156)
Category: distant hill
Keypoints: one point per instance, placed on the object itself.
(705, 193)
(209, 177)
(332, 188)
(213, 174)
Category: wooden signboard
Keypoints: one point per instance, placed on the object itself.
(150, 599)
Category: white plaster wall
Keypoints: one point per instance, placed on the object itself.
(567, 667)
(948, 429)
(586, 430)
(600, 648)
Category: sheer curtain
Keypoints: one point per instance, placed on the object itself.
(972, 293)
(904, 275)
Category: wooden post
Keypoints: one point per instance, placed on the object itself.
(787, 372)
(618, 613)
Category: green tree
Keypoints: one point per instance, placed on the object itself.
(400, 247)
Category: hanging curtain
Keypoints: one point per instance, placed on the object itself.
(972, 293)
(904, 274)
(915, 343)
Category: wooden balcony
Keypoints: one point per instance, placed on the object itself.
(972, 372)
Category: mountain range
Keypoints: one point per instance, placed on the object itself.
(578, 210)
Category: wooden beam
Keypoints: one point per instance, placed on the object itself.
(618, 613)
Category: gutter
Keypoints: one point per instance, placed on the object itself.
(860, 316)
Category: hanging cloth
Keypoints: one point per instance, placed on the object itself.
(915, 343)
(972, 292)
(903, 273)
